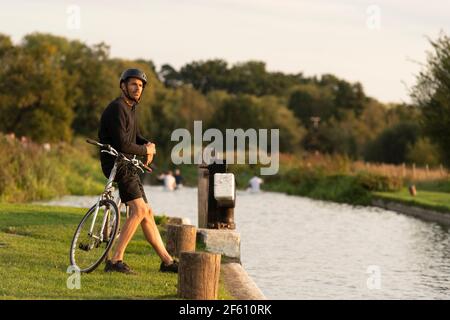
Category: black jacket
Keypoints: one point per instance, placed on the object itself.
(119, 128)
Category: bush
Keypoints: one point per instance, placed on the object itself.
(341, 188)
(374, 182)
(330, 183)
(29, 172)
(319, 184)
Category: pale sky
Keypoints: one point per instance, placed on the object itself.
(378, 43)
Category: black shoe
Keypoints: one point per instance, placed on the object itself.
(173, 267)
(119, 266)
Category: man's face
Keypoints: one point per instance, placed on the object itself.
(135, 87)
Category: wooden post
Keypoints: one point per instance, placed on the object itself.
(198, 275)
(180, 238)
(414, 171)
(403, 170)
(427, 170)
(202, 195)
(412, 190)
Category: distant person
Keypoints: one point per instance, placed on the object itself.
(178, 179)
(169, 181)
(160, 178)
(255, 183)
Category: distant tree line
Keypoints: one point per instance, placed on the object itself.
(52, 89)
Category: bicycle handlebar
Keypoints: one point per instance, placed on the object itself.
(114, 152)
(92, 142)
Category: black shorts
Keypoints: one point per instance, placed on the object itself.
(129, 182)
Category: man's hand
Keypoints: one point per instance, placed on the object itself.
(151, 149)
(148, 159)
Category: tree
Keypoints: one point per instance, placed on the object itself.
(194, 106)
(338, 136)
(308, 101)
(161, 117)
(205, 75)
(346, 96)
(249, 78)
(349, 97)
(432, 95)
(249, 112)
(5, 44)
(96, 82)
(393, 143)
(423, 152)
(275, 115)
(170, 76)
(34, 92)
(89, 83)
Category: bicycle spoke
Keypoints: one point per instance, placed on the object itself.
(91, 241)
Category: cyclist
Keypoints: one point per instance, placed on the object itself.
(119, 128)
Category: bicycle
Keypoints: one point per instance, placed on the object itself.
(99, 227)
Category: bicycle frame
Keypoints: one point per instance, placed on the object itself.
(109, 188)
(107, 194)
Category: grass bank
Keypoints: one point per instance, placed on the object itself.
(34, 247)
(427, 199)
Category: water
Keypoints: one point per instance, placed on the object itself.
(297, 248)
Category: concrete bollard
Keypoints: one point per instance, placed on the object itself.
(214, 213)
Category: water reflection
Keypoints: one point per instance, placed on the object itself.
(318, 250)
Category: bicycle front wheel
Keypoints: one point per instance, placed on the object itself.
(94, 236)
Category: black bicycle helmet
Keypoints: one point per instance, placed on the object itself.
(133, 73)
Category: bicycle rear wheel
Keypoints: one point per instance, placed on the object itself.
(88, 250)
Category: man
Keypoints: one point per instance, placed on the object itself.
(255, 183)
(119, 128)
(169, 181)
(178, 179)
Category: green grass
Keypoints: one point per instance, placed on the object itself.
(435, 185)
(34, 257)
(439, 201)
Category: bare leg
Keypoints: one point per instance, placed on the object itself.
(153, 236)
(138, 209)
